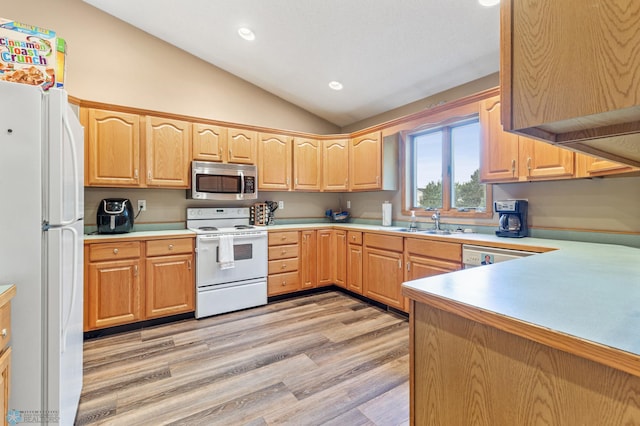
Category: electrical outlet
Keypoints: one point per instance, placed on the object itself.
(281, 205)
(142, 205)
(348, 204)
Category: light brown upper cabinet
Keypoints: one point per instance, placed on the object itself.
(209, 143)
(589, 166)
(365, 162)
(508, 158)
(274, 162)
(241, 146)
(168, 147)
(112, 147)
(307, 164)
(569, 74)
(335, 169)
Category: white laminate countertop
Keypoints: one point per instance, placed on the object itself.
(586, 290)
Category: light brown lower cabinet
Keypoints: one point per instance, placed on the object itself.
(382, 270)
(426, 258)
(339, 260)
(169, 275)
(308, 259)
(354, 262)
(123, 285)
(5, 351)
(325, 256)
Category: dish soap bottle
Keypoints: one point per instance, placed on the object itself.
(413, 226)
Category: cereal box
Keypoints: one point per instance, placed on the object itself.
(30, 55)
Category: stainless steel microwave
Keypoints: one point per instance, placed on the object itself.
(216, 181)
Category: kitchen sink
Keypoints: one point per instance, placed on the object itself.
(437, 232)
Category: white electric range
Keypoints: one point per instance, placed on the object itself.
(240, 280)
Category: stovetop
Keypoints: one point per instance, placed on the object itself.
(218, 221)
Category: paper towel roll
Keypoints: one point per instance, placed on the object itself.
(386, 213)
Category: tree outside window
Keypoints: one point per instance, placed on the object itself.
(445, 169)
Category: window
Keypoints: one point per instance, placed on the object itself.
(444, 170)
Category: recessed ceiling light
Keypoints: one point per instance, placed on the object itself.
(489, 3)
(335, 85)
(246, 34)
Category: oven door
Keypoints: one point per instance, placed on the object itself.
(250, 259)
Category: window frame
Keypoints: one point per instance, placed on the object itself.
(447, 119)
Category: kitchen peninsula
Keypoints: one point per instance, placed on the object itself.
(547, 339)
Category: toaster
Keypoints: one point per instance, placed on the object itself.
(115, 216)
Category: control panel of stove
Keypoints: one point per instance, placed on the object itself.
(218, 213)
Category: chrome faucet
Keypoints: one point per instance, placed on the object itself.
(436, 218)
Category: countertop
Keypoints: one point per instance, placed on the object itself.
(583, 298)
(7, 292)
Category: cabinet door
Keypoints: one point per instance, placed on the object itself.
(241, 146)
(170, 285)
(541, 160)
(274, 162)
(209, 142)
(421, 267)
(340, 258)
(112, 148)
(325, 249)
(5, 382)
(382, 276)
(365, 162)
(308, 259)
(588, 166)
(335, 169)
(307, 164)
(499, 158)
(114, 293)
(168, 146)
(354, 268)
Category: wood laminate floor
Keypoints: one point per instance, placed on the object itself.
(321, 359)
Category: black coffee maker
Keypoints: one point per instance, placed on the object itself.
(513, 218)
(115, 216)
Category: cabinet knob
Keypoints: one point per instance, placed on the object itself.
(135, 174)
(115, 251)
(4, 332)
(284, 266)
(283, 251)
(170, 246)
(353, 237)
(149, 174)
(284, 237)
(513, 166)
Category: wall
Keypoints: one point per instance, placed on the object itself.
(105, 64)
(488, 82)
(110, 61)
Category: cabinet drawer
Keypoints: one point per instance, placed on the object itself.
(5, 325)
(283, 252)
(354, 237)
(283, 283)
(386, 242)
(283, 265)
(170, 246)
(114, 251)
(285, 237)
(437, 249)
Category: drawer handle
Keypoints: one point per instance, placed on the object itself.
(284, 237)
(284, 283)
(283, 251)
(284, 266)
(4, 333)
(115, 251)
(170, 246)
(353, 237)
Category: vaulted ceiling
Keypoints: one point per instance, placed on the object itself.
(386, 53)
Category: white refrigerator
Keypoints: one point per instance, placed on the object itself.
(41, 249)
